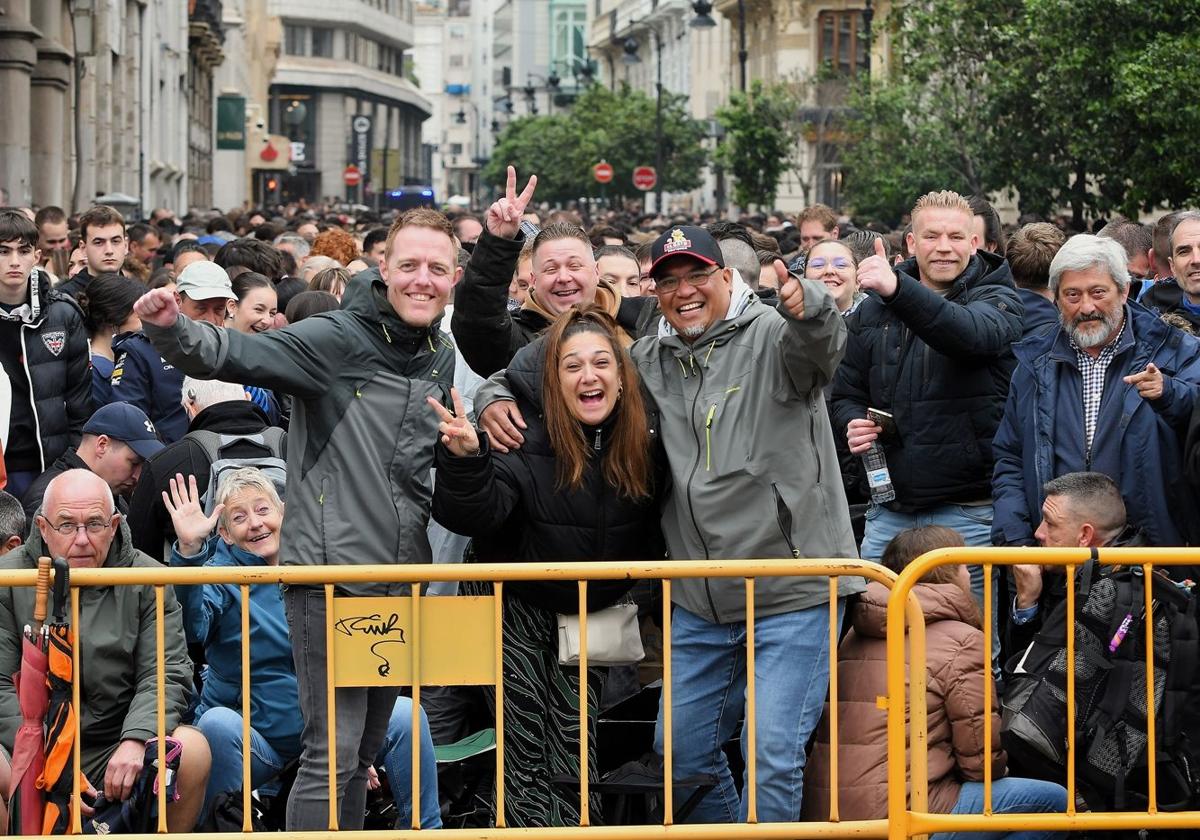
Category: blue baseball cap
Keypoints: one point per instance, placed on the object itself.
(128, 424)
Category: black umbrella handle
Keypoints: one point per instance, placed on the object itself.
(62, 585)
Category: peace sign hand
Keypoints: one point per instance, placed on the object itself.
(192, 527)
(504, 216)
(458, 435)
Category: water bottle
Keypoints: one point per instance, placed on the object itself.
(878, 477)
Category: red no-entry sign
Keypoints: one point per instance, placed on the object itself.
(602, 172)
(352, 176)
(644, 177)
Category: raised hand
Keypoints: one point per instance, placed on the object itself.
(504, 216)
(458, 435)
(158, 307)
(192, 527)
(791, 292)
(875, 273)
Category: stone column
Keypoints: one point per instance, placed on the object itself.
(18, 55)
(50, 82)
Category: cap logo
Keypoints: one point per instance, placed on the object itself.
(149, 427)
(678, 242)
(55, 341)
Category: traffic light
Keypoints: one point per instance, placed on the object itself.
(272, 184)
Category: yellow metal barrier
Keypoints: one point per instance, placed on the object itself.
(418, 613)
(907, 820)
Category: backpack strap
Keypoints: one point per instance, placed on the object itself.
(1089, 571)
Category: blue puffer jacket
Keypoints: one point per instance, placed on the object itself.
(212, 617)
(1138, 443)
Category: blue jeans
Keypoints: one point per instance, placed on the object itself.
(222, 729)
(709, 687)
(972, 522)
(1009, 796)
(396, 757)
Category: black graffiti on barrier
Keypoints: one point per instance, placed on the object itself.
(375, 625)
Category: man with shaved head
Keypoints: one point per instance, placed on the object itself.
(78, 521)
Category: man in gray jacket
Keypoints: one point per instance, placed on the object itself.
(359, 451)
(737, 385)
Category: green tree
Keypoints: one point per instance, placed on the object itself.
(761, 141)
(928, 124)
(1087, 104)
(614, 126)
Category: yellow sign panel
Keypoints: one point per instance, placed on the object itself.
(374, 642)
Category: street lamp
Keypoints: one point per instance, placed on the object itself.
(551, 84)
(704, 20)
(630, 49)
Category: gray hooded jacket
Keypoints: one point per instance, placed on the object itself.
(361, 440)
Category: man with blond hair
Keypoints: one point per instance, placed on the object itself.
(359, 455)
(931, 345)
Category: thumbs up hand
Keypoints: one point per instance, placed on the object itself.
(875, 273)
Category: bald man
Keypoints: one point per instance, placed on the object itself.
(116, 638)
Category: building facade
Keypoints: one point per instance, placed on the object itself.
(645, 43)
(342, 97)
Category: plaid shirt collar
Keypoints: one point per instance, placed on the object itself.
(1093, 372)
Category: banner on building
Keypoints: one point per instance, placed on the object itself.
(360, 145)
(231, 123)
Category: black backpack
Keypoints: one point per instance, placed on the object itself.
(1110, 691)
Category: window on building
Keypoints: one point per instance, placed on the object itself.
(843, 43)
(322, 42)
(456, 61)
(568, 43)
(457, 33)
(295, 40)
(351, 46)
(456, 148)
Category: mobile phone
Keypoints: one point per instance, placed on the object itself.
(883, 420)
(529, 229)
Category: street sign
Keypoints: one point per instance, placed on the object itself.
(602, 172)
(644, 178)
(360, 146)
(352, 176)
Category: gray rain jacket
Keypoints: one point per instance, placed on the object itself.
(753, 466)
(360, 444)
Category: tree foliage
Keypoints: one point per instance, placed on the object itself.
(761, 140)
(614, 126)
(1086, 104)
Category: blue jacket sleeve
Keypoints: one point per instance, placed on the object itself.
(133, 382)
(851, 395)
(202, 605)
(1011, 523)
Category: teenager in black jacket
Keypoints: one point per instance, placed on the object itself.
(581, 488)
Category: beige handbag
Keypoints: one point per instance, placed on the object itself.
(614, 637)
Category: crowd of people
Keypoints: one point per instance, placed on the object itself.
(541, 385)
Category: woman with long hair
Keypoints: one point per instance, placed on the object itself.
(582, 487)
(957, 676)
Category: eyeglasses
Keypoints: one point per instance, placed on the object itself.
(70, 529)
(819, 263)
(696, 279)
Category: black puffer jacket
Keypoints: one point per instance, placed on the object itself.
(941, 365)
(512, 500)
(55, 358)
